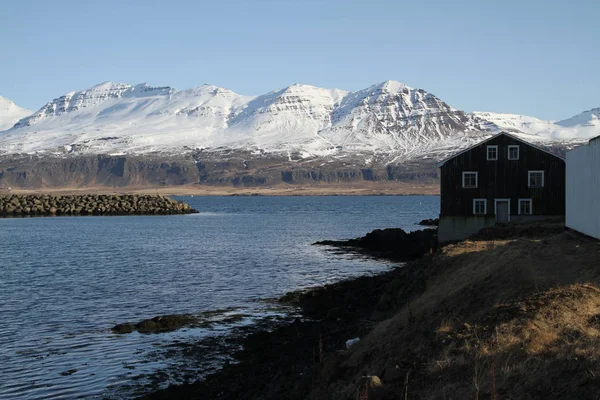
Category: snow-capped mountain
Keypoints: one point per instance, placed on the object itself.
(517, 123)
(10, 113)
(119, 118)
(580, 127)
(388, 120)
(393, 118)
(586, 124)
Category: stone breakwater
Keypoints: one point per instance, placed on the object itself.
(31, 205)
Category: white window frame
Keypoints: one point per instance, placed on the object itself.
(496, 201)
(484, 206)
(487, 153)
(476, 179)
(530, 206)
(535, 172)
(514, 146)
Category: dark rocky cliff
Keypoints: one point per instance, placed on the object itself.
(225, 169)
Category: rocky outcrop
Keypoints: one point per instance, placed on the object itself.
(391, 243)
(430, 222)
(159, 324)
(32, 205)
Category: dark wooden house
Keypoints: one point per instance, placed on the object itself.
(500, 180)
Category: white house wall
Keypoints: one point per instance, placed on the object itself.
(583, 189)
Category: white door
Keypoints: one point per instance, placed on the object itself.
(502, 211)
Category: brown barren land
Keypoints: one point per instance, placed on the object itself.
(353, 189)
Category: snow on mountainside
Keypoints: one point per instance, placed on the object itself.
(287, 119)
(517, 123)
(390, 120)
(394, 118)
(578, 128)
(586, 124)
(10, 113)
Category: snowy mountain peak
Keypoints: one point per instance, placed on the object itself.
(108, 85)
(587, 118)
(310, 93)
(106, 92)
(102, 90)
(580, 127)
(204, 89)
(144, 89)
(5, 103)
(392, 86)
(10, 113)
(515, 123)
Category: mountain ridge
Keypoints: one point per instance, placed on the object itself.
(389, 121)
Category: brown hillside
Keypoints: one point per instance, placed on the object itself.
(516, 318)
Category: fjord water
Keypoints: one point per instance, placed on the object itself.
(65, 281)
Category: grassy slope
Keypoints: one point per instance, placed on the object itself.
(515, 318)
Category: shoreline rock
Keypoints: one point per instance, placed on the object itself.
(174, 322)
(159, 324)
(392, 243)
(288, 353)
(48, 205)
(430, 222)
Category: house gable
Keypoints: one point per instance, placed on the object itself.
(502, 178)
(441, 163)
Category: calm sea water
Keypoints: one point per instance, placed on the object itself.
(65, 281)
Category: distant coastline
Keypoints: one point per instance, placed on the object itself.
(357, 189)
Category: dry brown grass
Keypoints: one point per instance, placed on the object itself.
(557, 327)
(510, 318)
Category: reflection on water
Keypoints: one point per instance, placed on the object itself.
(65, 281)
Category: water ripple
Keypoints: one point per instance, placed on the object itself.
(65, 281)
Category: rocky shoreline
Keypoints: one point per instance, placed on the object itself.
(422, 329)
(49, 205)
(282, 360)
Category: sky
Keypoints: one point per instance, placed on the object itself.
(537, 58)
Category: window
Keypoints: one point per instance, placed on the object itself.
(469, 179)
(535, 179)
(525, 207)
(479, 206)
(492, 153)
(513, 152)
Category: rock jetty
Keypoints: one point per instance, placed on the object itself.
(32, 205)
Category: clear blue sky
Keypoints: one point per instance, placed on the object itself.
(533, 57)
